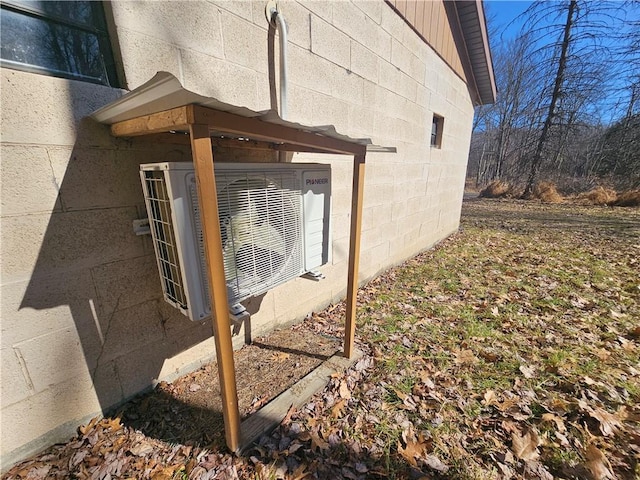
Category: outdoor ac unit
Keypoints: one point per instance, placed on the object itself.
(274, 220)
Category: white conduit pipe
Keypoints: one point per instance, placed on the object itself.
(282, 27)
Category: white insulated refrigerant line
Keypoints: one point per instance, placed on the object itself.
(273, 14)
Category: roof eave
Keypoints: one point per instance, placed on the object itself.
(474, 30)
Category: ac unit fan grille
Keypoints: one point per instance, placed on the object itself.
(260, 219)
(164, 238)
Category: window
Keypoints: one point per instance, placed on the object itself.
(59, 38)
(436, 131)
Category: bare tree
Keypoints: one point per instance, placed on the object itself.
(553, 116)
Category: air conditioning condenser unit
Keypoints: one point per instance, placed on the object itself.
(274, 220)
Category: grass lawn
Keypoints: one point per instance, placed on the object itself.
(511, 350)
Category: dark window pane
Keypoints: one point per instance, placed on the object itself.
(60, 38)
(80, 12)
(434, 132)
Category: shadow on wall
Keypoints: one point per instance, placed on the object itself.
(102, 331)
(114, 333)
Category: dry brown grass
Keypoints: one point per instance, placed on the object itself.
(629, 198)
(497, 189)
(598, 196)
(546, 192)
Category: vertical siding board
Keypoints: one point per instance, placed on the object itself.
(401, 5)
(444, 38)
(411, 12)
(439, 23)
(428, 25)
(420, 7)
(442, 29)
(433, 31)
(452, 50)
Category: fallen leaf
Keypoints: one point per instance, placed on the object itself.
(626, 344)
(141, 449)
(564, 441)
(507, 404)
(413, 450)
(608, 422)
(465, 357)
(361, 467)
(489, 356)
(344, 390)
(287, 417)
(603, 354)
(490, 398)
(38, 473)
(300, 472)
(528, 372)
(550, 417)
(535, 469)
(434, 463)
(318, 443)
(597, 463)
(338, 409)
(525, 447)
(280, 356)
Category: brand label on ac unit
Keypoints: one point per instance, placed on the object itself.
(316, 181)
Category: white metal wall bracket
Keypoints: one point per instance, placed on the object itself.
(141, 227)
(314, 275)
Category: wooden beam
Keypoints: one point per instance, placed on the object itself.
(174, 119)
(354, 253)
(166, 138)
(288, 147)
(259, 130)
(242, 144)
(208, 202)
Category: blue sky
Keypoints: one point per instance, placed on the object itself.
(503, 13)
(503, 22)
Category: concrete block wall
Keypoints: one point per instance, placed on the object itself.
(83, 324)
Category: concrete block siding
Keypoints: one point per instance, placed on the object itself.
(83, 323)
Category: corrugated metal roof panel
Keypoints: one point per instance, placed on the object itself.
(164, 92)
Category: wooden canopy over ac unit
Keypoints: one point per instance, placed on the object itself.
(203, 127)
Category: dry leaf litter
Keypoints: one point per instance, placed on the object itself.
(509, 351)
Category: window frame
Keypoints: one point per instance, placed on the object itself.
(99, 27)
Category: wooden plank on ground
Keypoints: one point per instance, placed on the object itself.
(269, 416)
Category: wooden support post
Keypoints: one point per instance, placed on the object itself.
(354, 253)
(208, 201)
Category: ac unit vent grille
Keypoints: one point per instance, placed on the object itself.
(260, 219)
(159, 203)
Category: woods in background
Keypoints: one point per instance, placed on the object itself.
(568, 106)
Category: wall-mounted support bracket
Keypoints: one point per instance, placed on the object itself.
(141, 227)
(238, 315)
(314, 275)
